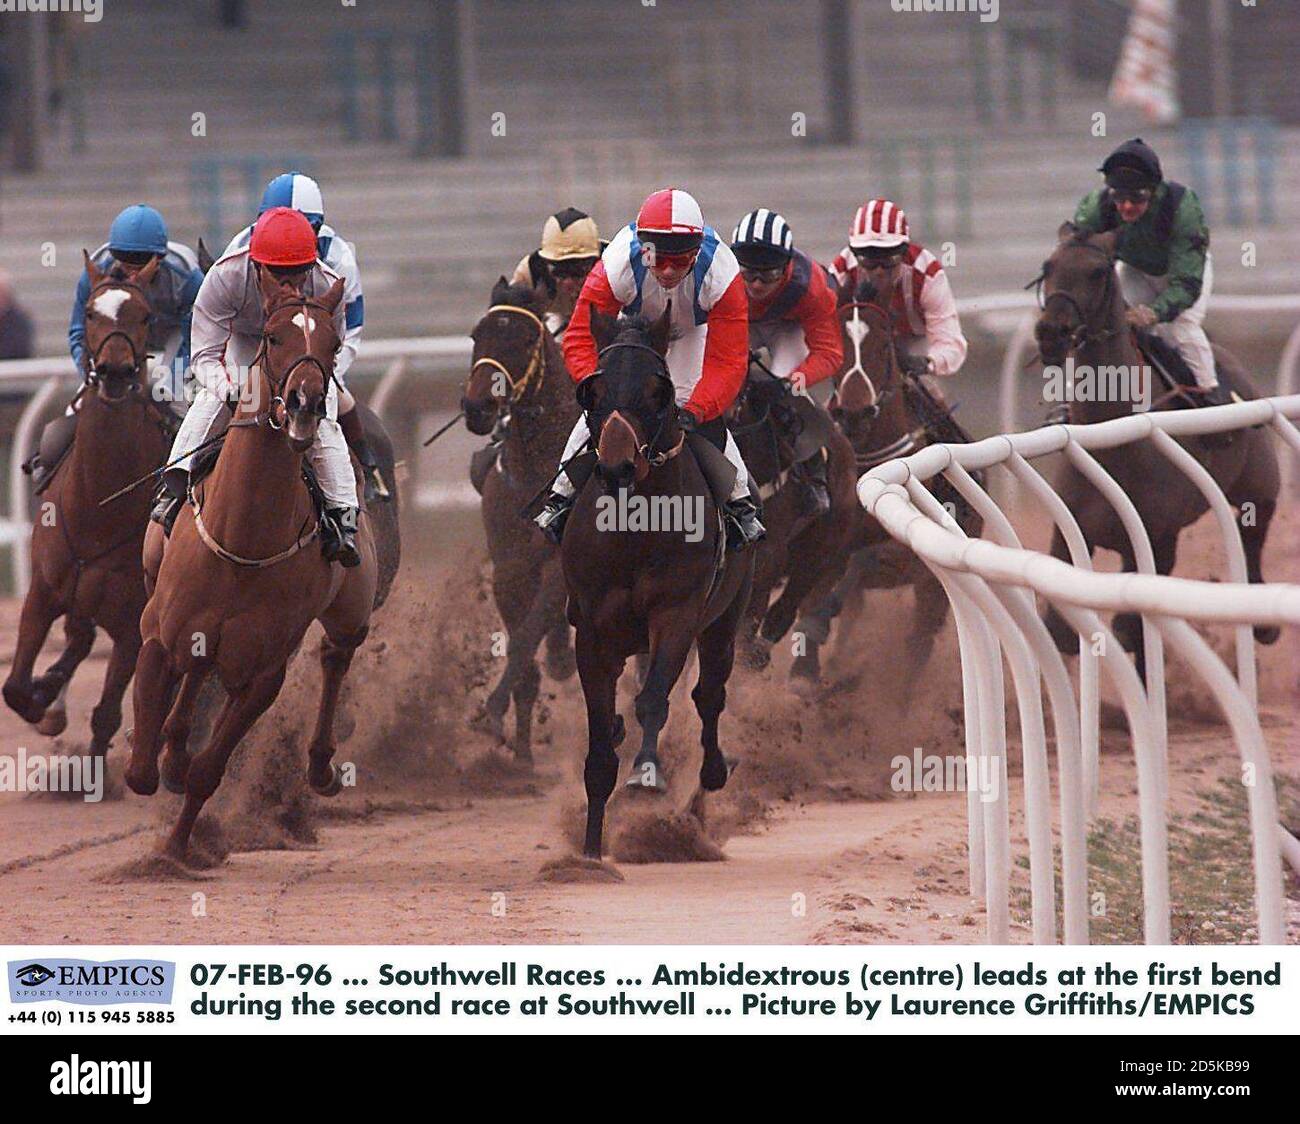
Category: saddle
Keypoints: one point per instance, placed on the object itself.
(1168, 363)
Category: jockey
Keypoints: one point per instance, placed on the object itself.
(302, 193)
(570, 246)
(792, 315)
(1165, 271)
(668, 259)
(880, 250)
(227, 334)
(137, 236)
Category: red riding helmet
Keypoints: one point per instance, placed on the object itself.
(283, 236)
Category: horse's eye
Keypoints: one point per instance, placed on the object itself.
(273, 340)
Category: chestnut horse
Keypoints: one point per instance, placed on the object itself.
(242, 577)
(660, 588)
(518, 371)
(86, 557)
(874, 408)
(1084, 316)
(809, 555)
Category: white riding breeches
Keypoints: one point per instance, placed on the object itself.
(328, 455)
(581, 435)
(1186, 332)
(786, 350)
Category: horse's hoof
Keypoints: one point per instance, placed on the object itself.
(55, 722)
(804, 686)
(618, 732)
(715, 772)
(174, 771)
(332, 786)
(142, 781)
(1267, 633)
(523, 758)
(648, 778)
(485, 722)
(24, 705)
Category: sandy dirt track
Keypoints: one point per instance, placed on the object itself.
(442, 843)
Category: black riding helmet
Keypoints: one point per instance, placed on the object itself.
(1133, 166)
(762, 240)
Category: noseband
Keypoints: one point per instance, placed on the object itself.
(138, 357)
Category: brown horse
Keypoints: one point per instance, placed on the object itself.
(1084, 316)
(518, 371)
(243, 578)
(86, 557)
(809, 555)
(876, 410)
(647, 583)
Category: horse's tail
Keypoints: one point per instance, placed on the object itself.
(383, 516)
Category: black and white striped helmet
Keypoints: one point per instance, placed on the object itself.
(762, 240)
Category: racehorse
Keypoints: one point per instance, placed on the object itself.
(518, 372)
(1084, 316)
(86, 557)
(809, 555)
(660, 589)
(242, 577)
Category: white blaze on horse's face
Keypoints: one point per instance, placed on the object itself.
(109, 303)
(306, 323)
(858, 330)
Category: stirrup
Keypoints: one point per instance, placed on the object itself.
(338, 536)
(551, 519)
(373, 484)
(744, 528)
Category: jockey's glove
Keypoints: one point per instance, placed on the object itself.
(687, 422)
(914, 365)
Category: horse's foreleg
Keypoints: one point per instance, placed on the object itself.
(1063, 636)
(716, 647)
(1128, 627)
(544, 617)
(155, 677)
(929, 613)
(177, 729)
(599, 677)
(1254, 533)
(242, 709)
(38, 614)
(671, 636)
(336, 654)
(50, 688)
(106, 718)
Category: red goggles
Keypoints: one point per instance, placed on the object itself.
(674, 261)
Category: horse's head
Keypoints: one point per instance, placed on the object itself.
(299, 343)
(1078, 291)
(117, 328)
(870, 362)
(630, 401)
(508, 354)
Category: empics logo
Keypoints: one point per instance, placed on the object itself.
(104, 1078)
(91, 982)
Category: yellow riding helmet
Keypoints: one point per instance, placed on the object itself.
(570, 234)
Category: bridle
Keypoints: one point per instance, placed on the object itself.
(649, 452)
(261, 359)
(138, 357)
(857, 333)
(1082, 334)
(517, 385)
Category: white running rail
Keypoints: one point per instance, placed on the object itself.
(992, 584)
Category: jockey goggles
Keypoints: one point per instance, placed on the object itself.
(1130, 195)
(879, 257)
(766, 276)
(573, 269)
(673, 261)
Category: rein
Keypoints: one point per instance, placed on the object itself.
(647, 451)
(519, 385)
(1082, 335)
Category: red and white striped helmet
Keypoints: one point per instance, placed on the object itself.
(670, 211)
(878, 223)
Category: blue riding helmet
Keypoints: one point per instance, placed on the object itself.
(301, 193)
(138, 229)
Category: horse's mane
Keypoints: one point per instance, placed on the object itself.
(633, 329)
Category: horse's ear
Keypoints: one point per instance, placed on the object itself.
(145, 274)
(1066, 230)
(657, 336)
(92, 270)
(603, 328)
(206, 260)
(499, 289)
(333, 295)
(843, 294)
(269, 284)
(542, 293)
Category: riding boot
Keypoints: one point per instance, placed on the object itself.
(553, 516)
(814, 493)
(743, 525)
(53, 448)
(339, 536)
(354, 433)
(1058, 414)
(169, 499)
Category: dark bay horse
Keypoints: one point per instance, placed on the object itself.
(1084, 316)
(518, 371)
(877, 412)
(86, 557)
(242, 577)
(660, 586)
(809, 555)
